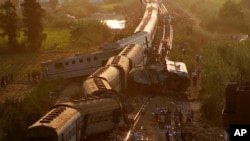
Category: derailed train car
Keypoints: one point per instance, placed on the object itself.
(83, 65)
(75, 66)
(158, 77)
(78, 120)
(103, 108)
(114, 75)
(149, 21)
(61, 123)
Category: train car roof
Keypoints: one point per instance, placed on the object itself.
(93, 104)
(76, 56)
(57, 118)
(122, 42)
(135, 35)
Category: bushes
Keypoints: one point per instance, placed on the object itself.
(17, 116)
(90, 32)
(222, 62)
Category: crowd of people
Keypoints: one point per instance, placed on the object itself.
(7, 78)
(177, 126)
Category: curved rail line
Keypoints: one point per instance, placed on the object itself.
(135, 119)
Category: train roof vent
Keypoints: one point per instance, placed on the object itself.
(116, 60)
(125, 51)
(51, 116)
(129, 46)
(99, 84)
(100, 71)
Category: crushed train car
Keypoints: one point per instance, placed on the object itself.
(172, 76)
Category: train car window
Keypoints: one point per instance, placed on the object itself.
(66, 63)
(59, 65)
(80, 60)
(73, 62)
(88, 59)
(95, 58)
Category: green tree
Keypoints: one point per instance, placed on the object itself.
(33, 14)
(222, 62)
(78, 8)
(8, 23)
(231, 14)
(85, 33)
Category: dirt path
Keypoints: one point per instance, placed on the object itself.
(149, 127)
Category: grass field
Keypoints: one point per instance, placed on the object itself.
(59, 36)
(21, 63)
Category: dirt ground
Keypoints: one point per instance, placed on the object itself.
(149, 127)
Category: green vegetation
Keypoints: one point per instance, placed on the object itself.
(210, 13)
(17, 116)
(57, 24)
(57, 36)
(223, 59)
(33, 27)
(8, 20)
(78, 8)
(223, 62)
(82, 33)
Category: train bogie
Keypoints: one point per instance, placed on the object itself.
(61, 123)
(135, 53)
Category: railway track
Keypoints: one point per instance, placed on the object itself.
(125, 133)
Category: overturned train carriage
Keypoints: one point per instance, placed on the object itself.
(176, 77)
(113, 76)
(106, 78)
(75, 66)
(172, 76)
